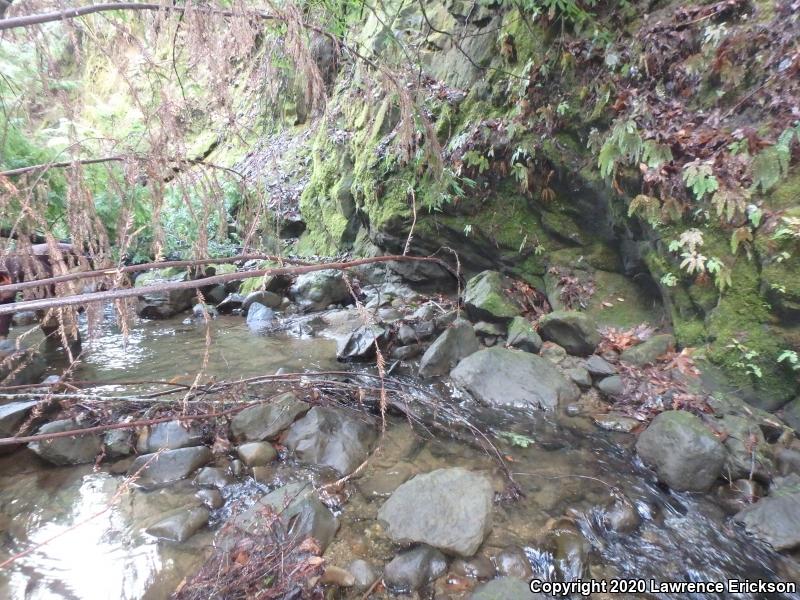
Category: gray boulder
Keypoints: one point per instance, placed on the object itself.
(180, 524)
(331, 438)
(257, 454)
(523, 336)
(168, 436)
(791, 414)
(212, 477)
(260, 319)
(12, 415)
(118, 443)
(76, 450)
(504, 588)
(266, 421)
(302, 515)
(501, 377)
(748, 451)
(683, 452)
(169, 465)
(457, 342)
(648, 351)
(318, 290)
(413, 569)
(486, 298)
(263, 297)
(162, 305)
(575, 331)
(360, 345)
(611, 386)
(449, 509)
(776, 518)
(599, 366)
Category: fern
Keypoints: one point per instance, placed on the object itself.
(699, 177)
(624, 143)
(730, 202)
(772, 164)
(654, 154)
(741, 235)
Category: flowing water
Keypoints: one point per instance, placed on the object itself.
(79, 535)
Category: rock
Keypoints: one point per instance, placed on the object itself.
(211, 498)
(501, 377)
(449, 509)
(504, 588)
(169, 465)
(425, 329)
(407, 352)
(484, 329)
(513, 562)
(12, 415)
(266, 421)
(576, 332)
(360, 345)
(748, 451)
(615, 422)
(621, 516)
(570, 550)
(263, 297)
(385, 481)
(523, 336)
(364, 574)
(579, 376)
(407, 335)
(599, 366)
(318, 290)
(212, 477)
(24, 318)
(337, 576)
(457, 342)
(260, 319)
(67, 450)
(200, 310)
(231, 303)
(611, 386)
(20, 366)
(738, 495)
(257, 454)
(486, 298)
(553, 352)
(332, 438)
(477, 567)
(302, 515)
(168, 436)
(118, 443)
(788, 461)
(162, 305)
(413, 569)
(791, 414)
(648, 351)
(775, 520)
(181, 524)
(683, 452)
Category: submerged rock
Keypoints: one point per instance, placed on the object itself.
(621, 516)
(168, 436)
(318, 290)
(513, 562)
(260, 319)
(266, 421)
(413, 569)
(20, 366)
(364, 574)
(487, 298)
(168, 465)
(457, 342)
(449, 509)
(576, 332)
(522, 335)
(477, 567)
(504, 588)
(501, 377)
(331, 438)
(76, 450)
(162, 305)
(683, 452)
(181, 524)
(648, 351)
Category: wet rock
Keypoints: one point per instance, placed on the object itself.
(449, 509)
(599, 366)
(425, 329)
(211, 498)
(407, 335)
(570, 550)
(360, 345)
(337, 576)
(212, 477)
(24, 318)
(615, 422)
(181, 524)
(738, 495)
(12, 415)
(788, 461)
(266, 421)
(683, 452)
(118, 443)
(523, 336)
(169, 465)
(579, 376)
(230, 303)
(67, 450)
(318, 290)
(611, 386)
(263, 297)
(332, 438)
(364, 574)
(477, 567)
(413, 569)
(748, 451)
(260, 319)
(200, 310)
(162, 305)
(501, 377)
(648, 351)
(407, 352)
(257, 454)
(20, 366)
(504, 588)
(385, 481)
(169, 436)
(775, 519)
(302, 515)
(457, 342)
(486, 298)
(621, 516)
(576, 332)
(513, 562)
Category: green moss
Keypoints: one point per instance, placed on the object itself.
(787, 193)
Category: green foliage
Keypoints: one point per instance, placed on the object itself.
(476, 160)
(791, 358)
(517, 439)
(747, 359)
(623, 144)
(699, 177)
(772, 164)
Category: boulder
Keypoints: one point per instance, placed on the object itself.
(361, 344)
(611, 386)
(169, 465)
(523, 336)
(162, 305)
(648, 351)
(449, 509)
(477, 567)
(266, 421)
(364, 574)
(501, 377)
(791, 414)
(263, 297)
(413, 569)
(457, 342)
(20, 366)
(513, 562)
(260, 319)
(576, 332)
(683, 452)
(318, 290)
(180, 524)
(748, 451)
(504, 588)
(67, 450)
(168, 436)
(12, 415)
(599, 366)
(211, 498)
(302, 515)
(212, 477)
(487, 298)
(332, 438)
(230, 303)
(615, 422)
(118, 443)
(775, 519)
(257, 454)
(570, 550)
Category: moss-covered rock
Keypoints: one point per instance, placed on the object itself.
(487, 298)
